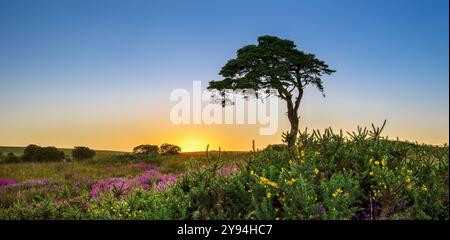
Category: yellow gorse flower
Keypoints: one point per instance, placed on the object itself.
(252, 173)
(408, 180)
(383, 162)
(265, 181)
(337, 193)
(269, 195)
(377, 162)
(371, 173)
(290, 182)
(316, 171)
(302, 153)
(424, 188)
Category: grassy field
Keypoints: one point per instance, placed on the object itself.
(106, 164)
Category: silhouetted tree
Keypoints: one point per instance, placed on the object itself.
(36, 153)
(169, 149)
(48, 154)
(82, 153)
(273, 67)
(30, 152)
(146, 149)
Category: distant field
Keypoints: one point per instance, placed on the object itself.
(107, 153)
(105, 164)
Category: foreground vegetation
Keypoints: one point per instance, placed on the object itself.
(326, 176)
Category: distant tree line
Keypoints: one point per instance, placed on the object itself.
(35, 153)
(164, 149)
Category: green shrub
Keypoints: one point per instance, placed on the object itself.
(10, 158)
(82, 153)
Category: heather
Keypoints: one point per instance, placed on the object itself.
(325, 176)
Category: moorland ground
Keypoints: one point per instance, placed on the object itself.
(325, 176)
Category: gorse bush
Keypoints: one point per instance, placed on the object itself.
(324, 176)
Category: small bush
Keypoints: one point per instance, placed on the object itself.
(82, 153)
(11, 158)
(277, 147)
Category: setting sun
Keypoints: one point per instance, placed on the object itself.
(192, 144)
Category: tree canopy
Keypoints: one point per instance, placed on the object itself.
(169, 149)
(146, 149)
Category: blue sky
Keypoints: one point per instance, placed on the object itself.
(63, 63)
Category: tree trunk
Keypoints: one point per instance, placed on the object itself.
(294, 120)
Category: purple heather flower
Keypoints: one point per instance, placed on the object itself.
(103, 187)
(376, 209)
(402, 203)
(35, 182)
(167, 178)
(161, 186)
(226, 170)
(365, 216)
(361, 215)
(322, 210)
(7, 182)
(151, 179)
(145, 166)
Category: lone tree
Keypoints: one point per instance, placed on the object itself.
(273, 67)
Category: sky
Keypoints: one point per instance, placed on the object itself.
(100, 73)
